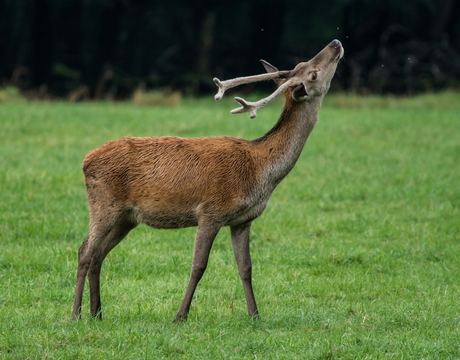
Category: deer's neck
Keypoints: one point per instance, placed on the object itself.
(283, 144)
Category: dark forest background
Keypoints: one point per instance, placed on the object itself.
(108, 48)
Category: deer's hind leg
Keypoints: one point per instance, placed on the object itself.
(85, 253)
(117, 234)
(103, 236)
(82, 270)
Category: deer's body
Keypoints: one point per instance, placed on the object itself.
(174, 191)
(171, 182)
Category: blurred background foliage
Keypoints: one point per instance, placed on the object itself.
(99, 49)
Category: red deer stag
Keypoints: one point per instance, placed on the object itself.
(171, 182)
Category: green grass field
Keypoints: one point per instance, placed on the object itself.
(356, 256)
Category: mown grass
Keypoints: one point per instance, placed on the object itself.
(356, 256)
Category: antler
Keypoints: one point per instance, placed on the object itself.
(252, 107)
(228, 84)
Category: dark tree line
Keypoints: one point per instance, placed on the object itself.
(96, 48)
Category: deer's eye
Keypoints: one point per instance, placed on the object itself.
(314, 75)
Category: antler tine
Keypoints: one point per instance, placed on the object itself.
(252, 107)
(228, 84)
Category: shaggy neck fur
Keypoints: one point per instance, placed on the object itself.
(283, 144)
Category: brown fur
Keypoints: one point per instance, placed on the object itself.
(167, 182)
(170, 182)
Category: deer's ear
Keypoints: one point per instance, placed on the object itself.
(268, 67)
(271, 69)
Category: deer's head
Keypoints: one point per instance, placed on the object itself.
(306, 81)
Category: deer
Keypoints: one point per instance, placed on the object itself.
(171, 182)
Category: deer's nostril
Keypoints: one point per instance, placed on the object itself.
(335, 44)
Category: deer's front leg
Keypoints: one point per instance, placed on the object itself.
(205, 236)
(240, 241)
